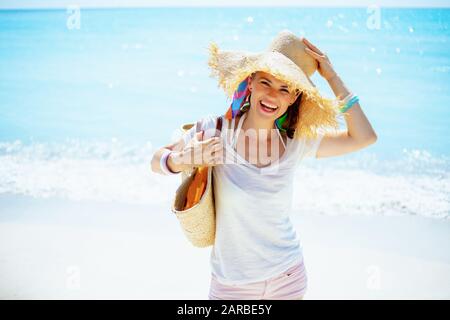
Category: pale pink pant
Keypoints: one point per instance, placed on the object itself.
(290, 284)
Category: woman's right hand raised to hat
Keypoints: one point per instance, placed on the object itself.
(325, 69)
(199, 152)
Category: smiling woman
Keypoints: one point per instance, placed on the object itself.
(278, 104)
(257, 253)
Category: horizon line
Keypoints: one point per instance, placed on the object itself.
(174, 6)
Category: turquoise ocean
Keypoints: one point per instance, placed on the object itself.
(83, 106)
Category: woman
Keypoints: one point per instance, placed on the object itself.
(257, 253)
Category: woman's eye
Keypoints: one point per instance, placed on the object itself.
(283, 90)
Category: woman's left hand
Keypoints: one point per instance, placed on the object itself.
(325, 68)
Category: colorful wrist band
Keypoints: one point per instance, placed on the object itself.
(163, 163)
(353, 99)
(347, 98)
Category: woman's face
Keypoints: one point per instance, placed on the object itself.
(271, 92)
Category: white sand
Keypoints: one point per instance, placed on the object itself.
(62, 250)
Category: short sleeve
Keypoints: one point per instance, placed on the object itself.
(207, 123)
(312, 145)
(309, 146)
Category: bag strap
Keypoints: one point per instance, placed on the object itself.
(218, 126)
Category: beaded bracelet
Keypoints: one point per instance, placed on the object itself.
(349, 101)
(163, 163)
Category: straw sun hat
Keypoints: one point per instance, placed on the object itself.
(285, 59)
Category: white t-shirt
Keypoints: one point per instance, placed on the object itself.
(255, 238)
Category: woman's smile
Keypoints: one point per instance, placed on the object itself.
(268, 107)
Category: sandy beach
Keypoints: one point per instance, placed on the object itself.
(61, 249)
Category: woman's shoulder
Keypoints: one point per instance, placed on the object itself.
(307, 146)
(304, 139)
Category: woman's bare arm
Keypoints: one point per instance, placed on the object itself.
(359, 133)
(197, 152)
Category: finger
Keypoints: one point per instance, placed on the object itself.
(216, 158)
(210, 160)
(314, 54)
(309, 44)
(216, 149)
(214, 139)
(199, 135)
(214, 146)
(217, 140)
(204, 150)
(210, 141)
(217, 152)
(217, 146)
(214, 153)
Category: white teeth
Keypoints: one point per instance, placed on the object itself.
(268, 105)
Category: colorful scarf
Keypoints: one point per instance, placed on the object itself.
(239, 96)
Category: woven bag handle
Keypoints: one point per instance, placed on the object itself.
(218, 126)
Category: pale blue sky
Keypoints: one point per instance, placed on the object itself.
(149, 3)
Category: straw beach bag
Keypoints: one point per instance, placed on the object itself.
(193, 203)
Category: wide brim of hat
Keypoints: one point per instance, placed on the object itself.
(232, 67)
